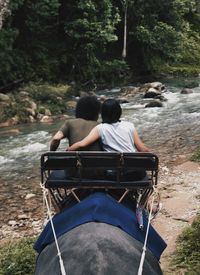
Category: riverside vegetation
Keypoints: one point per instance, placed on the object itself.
(32, 102)
(103, 41)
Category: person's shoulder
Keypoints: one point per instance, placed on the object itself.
(81, 121)
(127, 124)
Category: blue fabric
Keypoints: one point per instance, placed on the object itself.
(99, 207)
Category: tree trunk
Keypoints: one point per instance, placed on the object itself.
(125, 30)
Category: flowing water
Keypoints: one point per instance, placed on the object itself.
(174, 126)
(169, 131)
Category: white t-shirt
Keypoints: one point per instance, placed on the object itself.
(117, 136)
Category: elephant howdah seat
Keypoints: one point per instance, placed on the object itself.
(64, 173)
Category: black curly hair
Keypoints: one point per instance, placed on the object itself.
(88, 107)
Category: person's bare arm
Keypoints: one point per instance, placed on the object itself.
(91, 137)
(55, 142)
(139, 144)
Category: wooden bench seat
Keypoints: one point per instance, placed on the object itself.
(88, 164)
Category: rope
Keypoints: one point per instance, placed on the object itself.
(62, 268)
(145, 241)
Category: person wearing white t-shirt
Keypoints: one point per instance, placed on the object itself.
(115, 135)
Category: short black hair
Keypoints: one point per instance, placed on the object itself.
(88, 107)
(111, 111)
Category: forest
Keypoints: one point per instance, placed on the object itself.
(103, 41)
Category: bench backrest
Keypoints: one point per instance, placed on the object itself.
(88, 160)
(98, 166)
(107, 160)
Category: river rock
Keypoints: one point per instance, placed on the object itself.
(71, 104)
(158, 86)
(47, 112)
(10, 132)
(151, 93)
(30, 111)
(29, 196)
(129, 91)
(4, 124)
(154, 103)
(186, 91)
(22, 217)
(14, 120)
(83, 93)
(102, 98)
(32, 119)
(46, 119)
(23, 94)
(12, 223)
(36, 223)
(4, 97)
(33, 105)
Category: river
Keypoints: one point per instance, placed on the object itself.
(170, 131)
(176, 125)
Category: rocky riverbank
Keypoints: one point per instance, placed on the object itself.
(43, 103)
(180, 197)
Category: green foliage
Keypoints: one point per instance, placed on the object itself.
(88, 29)
(163, 30)
(114, 72)
(52, 97)
(15, 108)
(196, 155)
(7, 69)
(188, 249)
(81, 39)
(177, 69)
(26, 44)
(17, 258)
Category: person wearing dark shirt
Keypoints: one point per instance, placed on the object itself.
(87, 113)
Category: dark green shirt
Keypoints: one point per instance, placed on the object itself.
(76, 129)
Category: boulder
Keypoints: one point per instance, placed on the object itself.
(151, 93)
(10, 132)
(186, 91)
(154, 103)
(30, 111)
(47, 112)
(4, 124)
(14, 120)
(158, 86)
(71, 104)
(31, 119)
(33, 105)
(4, 97)
(129, 91)
(24, 94)
(46, 119)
